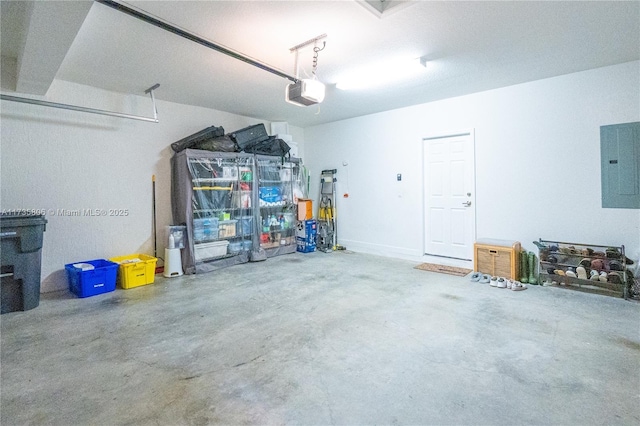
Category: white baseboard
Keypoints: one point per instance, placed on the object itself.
(414, 255)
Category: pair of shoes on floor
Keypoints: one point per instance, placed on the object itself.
(517, 286)
(478, 277)
(500, 282)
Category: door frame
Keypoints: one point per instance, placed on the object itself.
(443, 135)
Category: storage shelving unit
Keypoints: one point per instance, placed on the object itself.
(279, 185)
(233, 205)
(563, 256)
(212, 194)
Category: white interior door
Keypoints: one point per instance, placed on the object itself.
(449, 196)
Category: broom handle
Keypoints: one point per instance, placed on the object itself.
(155, 244)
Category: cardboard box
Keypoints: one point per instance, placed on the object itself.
(306, 233)
(305, 208)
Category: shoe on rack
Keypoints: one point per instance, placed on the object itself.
(613, 253)
(603, 277)
(595, 276)
(485, 279)
(586, 262)
(581, 272)
(597, 264)
(614, 277)
(615, 265)
(559, 272)
(493, 282)
(501, 283)
(540, 245)
(571, 273)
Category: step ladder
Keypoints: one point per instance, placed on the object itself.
(327, 225)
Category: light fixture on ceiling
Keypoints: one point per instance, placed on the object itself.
(383, 8)
(382, 73)
(306, 91)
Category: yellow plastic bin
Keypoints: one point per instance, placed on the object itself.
(135, 270)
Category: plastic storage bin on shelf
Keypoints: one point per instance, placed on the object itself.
(92, 277)
(206, 251)
(247, 225)
(205, 229)
(228, 228)
(21, 251)
(235, 247)
(135, 270)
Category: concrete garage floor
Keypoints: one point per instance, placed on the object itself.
(339, 338)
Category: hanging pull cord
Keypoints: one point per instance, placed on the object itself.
(317, 49)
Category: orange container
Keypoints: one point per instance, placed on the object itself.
(305, 208)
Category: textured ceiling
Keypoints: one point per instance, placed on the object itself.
(471, 47)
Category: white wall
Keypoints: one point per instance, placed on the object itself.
(537, 163)
(537, 155)
(57, 159)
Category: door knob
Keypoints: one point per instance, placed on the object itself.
(466, 203)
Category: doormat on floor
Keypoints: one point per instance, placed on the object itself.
(443, 269)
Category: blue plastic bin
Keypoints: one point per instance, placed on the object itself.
(102, 279)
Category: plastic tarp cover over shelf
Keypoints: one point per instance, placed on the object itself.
(208, 184)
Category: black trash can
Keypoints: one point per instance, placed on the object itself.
(21, 246)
